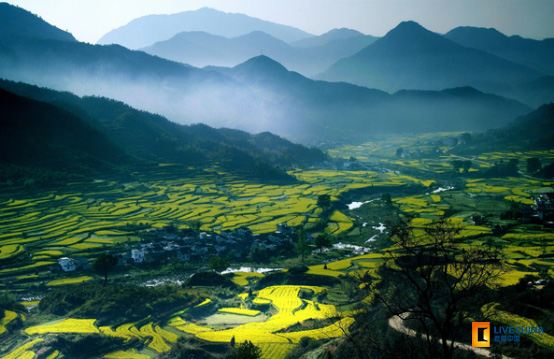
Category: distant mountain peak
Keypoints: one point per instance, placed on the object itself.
(409, 29)
(262, 63)
(147, 30)
(343, 32)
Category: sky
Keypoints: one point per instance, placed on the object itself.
(89, 20)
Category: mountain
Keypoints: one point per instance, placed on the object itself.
(333, 35)
(535, 54)
(40, 135)
(15, 21)
(181, 92)
(57, 127)
(202, 49)
(150, 29)
(318, 110)
(529, 132)
(257, 96)
(534, 93)
(411, 57)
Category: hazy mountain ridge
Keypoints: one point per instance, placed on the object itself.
(330, 36)
(411, 57)
(362, 110)
(537, 54)
(202, 49)
(150, 29)
(148, 139)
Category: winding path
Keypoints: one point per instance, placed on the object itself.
(397, 323)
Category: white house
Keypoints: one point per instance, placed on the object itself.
(67, 264)
(138, 256)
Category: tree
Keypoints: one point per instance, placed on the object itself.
(322, 241)
(246, 350)
(302, 247)
(466, 165)
(218, 264)
(399, 152)
(432, 281)
(465, 138)
(387, 199)
(324, 201)
(457, 164)
(104, 264)
(533, 165)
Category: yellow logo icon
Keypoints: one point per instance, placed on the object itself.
(481, 334)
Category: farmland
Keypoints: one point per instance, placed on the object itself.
(86, 219)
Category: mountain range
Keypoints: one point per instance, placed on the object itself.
(260, 94)
(310, 57)
(150, 29)
(412, 57)
(536, 54)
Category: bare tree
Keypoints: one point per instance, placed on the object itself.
(432, 280)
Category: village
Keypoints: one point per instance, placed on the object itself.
(161, 245)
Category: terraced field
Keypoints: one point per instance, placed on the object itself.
(83, 219)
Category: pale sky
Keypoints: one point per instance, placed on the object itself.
(88, 20)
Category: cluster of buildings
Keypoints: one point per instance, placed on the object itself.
(542, 212)
(161, 244)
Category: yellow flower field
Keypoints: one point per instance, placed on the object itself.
(239, 311)
(65, 326)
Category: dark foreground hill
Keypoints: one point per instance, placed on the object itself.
(64, 133)
(38, 134)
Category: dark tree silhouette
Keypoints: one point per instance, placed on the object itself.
(104, 264)
(302, 246)
(246, 350)
(218, 264)
(432, 281)
(533, 165)
(324, 201)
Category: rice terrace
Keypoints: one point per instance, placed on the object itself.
(169, 192)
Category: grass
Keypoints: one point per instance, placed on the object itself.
(240, 311)
(67, 281)
(127, 354)
(65, 326)
(10, 250)
(241, 278)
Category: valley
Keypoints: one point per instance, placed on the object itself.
(84, 220)
(207, 184)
